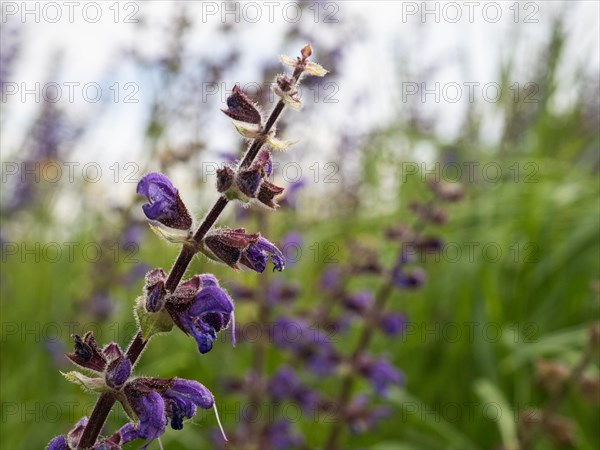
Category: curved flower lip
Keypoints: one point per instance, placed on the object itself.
(256, 255)
(199, 307)
(58, 443)
(164, 204)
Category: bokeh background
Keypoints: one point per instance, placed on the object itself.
(502, 98)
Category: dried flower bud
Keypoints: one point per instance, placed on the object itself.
(590, 389)
(225, 177)
(87, 354)
(118, 372)
(241, 109)
(155, 290)
(550, 374)
(560, 430)
(306, 51)
(267, 193)
(227, 245)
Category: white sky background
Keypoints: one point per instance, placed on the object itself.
(460, 52)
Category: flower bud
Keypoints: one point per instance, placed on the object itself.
(164, 204)
(118, 372)
(241, 109)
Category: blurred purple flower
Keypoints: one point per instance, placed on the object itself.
(279, 436)
(290, 200)
(392, 324)
(307, 343)
(284, 385)
(358, 302)
(380, 373)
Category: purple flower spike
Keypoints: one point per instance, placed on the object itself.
(182, 400)
(58, 443)
(256, 256)
(164, 204)
(201, 308)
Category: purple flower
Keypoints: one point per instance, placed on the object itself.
(164, 204)
(233, 246)
(409, 280)
(183, 398)
(380, 373)
(58, 443)
(392, 324)
(156, 401)
(150, 409)
(360, 417)
(256, 255)
(201, 308)
(227, 245)
(309, 344)
(63, 442)
(279, 436)
(118, 372)
(358, 302)
(285, 385)
(331, 279)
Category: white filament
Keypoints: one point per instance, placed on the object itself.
(219, 420)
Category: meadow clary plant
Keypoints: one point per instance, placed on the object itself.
(198, 306)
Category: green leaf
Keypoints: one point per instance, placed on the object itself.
(490, 394)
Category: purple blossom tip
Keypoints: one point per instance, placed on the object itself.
(182, 400)
(256, 256)
(392, 324)
(201, 308)
(58, 443)
(118, 372)
(164, 204)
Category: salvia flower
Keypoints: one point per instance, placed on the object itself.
(71, 440)
(380, 373)
(199, 307)
(164, 203)
(182, 399)
(158, 401)
(256, 255)
(234, 246)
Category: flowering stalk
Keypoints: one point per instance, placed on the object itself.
(198, 306)
(426, 213)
